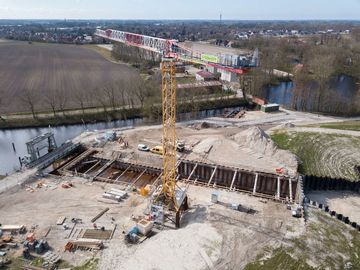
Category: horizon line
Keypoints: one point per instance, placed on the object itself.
(214, 20)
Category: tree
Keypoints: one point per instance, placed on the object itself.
(143, 90)
(62, 99)
(81, 98)
(1, 102)
(51, 100)
(102, 99)
(30, 99)
(322, 67)
(110, 96)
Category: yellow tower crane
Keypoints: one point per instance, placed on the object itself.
(170, 197)
(168, 69)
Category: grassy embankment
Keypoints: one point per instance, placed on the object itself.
(346, 125)
(18, 264)
(93, 115)
(326, 244)
(321, 154)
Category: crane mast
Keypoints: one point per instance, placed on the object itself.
(168, 69)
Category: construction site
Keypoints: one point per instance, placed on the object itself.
(216, 193)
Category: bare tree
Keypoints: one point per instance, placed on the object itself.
(110, 95)
(62, 99)
(322, 68)
(30, 98)
(80, 98)
(1, 102)
(101, 98)
(51, 100)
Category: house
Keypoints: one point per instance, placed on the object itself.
(205, 76)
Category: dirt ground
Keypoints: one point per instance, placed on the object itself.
(212, 235)
(41, 209)
(72, 71)
(343, 202)
(210, 145)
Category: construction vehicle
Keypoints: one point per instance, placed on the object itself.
(157, 150)
(180, 146)
(169, 197)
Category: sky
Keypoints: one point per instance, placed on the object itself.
(181, 9)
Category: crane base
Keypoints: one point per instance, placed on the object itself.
(166, 214)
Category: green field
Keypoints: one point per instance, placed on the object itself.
(348, 125)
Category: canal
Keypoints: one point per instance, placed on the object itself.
(9, 159)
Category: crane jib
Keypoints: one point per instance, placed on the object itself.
(171, 48)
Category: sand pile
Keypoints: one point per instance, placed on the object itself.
(257, 140)
(202, 125)
(188, 248)
(206, 145)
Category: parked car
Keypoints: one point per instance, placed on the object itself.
(157, 150)
(143, 147)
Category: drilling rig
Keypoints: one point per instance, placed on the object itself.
(170, 197)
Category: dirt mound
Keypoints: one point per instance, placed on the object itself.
(189, 248)
(257, 140)
(287, 125)
(205, 146)
(202, 125)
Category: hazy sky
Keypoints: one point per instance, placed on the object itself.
(180, 9)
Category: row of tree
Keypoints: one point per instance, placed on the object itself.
(125, 93)
(317, 63)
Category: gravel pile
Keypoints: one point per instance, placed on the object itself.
(257, 140)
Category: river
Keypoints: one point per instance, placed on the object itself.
(9, 160)
(282, 94)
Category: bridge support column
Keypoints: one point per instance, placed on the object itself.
(278, 189)
(255, 183)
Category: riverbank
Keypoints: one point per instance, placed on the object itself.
(93, 115)
(339, 99)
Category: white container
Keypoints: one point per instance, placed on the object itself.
(144, 226)
(111, 197)
(121, 194)
(118, 192)
(214, 197)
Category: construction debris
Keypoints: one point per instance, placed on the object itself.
(6, 238)
(51, 258)
(60, 221)
(83, 243)
(101, 234)
(13, 228)
(115, 195)
(100, 214)
(67, 185)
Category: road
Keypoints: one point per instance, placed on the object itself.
(281, 118)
